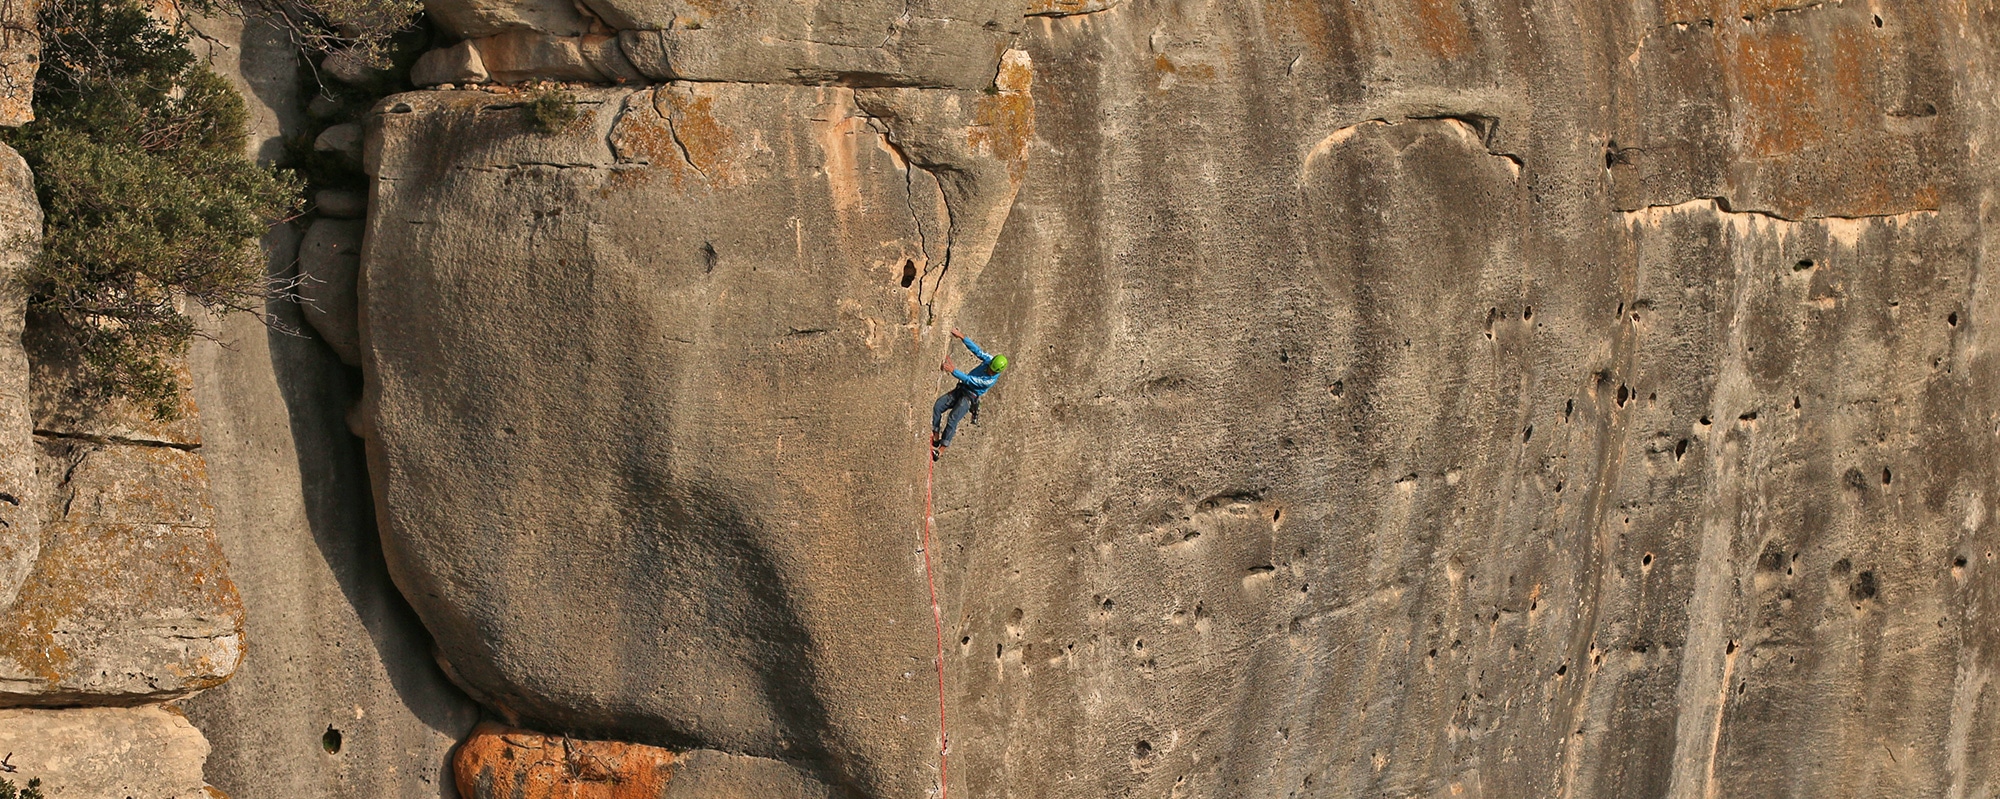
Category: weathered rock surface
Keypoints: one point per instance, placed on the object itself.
(146, 752)
(20, 518)
(1411, 398)
(329, 260)
(843, 277)
(860, 43)
(343, 140)
(499, 762)
(333, 651)
(129, 599)
(340, 203)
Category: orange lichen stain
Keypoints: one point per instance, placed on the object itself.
(102, 572)
(1857, 59)
(642, 137)
(699, 142)
(1774, 94)
(499, 762)
(1004, 120)
(1442, 28)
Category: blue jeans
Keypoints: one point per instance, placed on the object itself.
(959, 401)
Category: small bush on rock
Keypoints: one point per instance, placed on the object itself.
(553, 109)
(33, 791)
(147, 195)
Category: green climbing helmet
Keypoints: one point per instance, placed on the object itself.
(999, 364)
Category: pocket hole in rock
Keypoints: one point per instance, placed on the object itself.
(909, 273)
(330, 740)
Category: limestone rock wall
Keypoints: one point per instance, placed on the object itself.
(338, 695)
(1482, 398)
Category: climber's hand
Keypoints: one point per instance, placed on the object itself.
(956, 334)
(946, 367)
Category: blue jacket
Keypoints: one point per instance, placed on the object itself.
(982, 377)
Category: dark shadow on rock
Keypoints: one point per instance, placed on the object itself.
(340, 509)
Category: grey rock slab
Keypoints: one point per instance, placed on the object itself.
(329, 260)
(459, 63)
(20, 523)
(708, 774)
(323, 107)
(331, 644)
(474, 19)
(517, 56)
(146, 752)
(129, 599)
(343, 139)
(870, 43)
(333, 649)
(341, 203)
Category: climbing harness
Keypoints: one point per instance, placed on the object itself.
(937, 617)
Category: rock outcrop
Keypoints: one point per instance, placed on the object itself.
(105, 752)
(20, 514)
(337, 695)
(501, 763)
(762, 239)
(130, 599)
(1410, 397)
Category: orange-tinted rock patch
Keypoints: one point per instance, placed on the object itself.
(500, 762)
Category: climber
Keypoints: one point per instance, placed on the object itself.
(964, 397)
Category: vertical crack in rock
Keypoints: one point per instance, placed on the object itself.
(680, 146)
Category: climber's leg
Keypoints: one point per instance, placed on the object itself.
(961, 403)
(938, 409)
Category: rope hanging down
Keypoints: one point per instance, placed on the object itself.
(937, 619)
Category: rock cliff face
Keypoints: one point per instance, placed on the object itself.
(337, 695)
(1411, 397)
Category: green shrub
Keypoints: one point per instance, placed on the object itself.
(553, 109)
(147, 196)
(33, 791)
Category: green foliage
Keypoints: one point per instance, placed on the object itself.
(137, 150)
(553, 109)
(33, 791)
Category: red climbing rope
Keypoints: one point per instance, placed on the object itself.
(937, 619)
